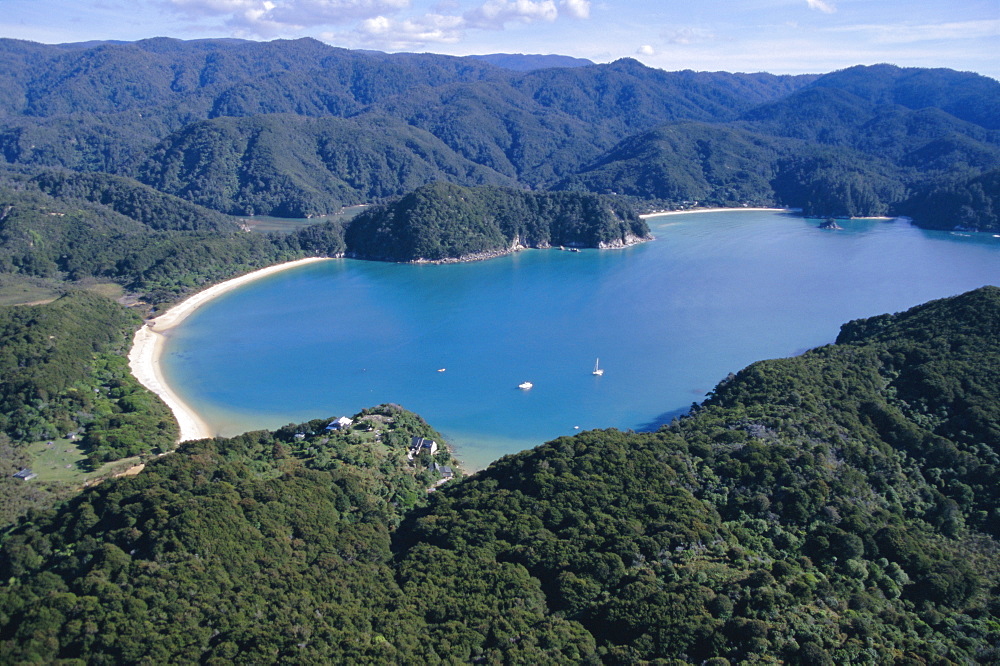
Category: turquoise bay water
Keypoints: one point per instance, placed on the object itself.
(668, 319)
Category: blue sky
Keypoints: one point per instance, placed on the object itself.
(779, 36)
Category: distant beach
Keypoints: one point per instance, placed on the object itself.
(708, 210)
(147, 348)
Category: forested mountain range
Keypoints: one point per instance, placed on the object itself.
(298, 128)
(836, 507)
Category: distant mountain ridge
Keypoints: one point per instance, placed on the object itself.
(523, 62)
(122, 108)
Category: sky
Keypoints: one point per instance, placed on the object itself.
(777, 36)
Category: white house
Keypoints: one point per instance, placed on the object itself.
(340, 424)
(419, 445)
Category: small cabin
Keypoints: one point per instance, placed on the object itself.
(25, 474)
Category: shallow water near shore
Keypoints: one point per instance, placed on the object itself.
(668, 319)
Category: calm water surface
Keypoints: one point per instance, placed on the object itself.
(668, 319)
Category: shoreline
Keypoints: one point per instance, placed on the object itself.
(711, 210)
(148, 342)
(495, 254)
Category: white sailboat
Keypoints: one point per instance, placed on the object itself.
(598, 370)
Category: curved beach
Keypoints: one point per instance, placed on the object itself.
(147, 348)
(687, 211)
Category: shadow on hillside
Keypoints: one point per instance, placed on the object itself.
(663, 419)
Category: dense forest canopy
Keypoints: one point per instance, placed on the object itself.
(441, 221)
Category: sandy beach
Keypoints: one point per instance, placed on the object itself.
(708, 210)
(147, 347)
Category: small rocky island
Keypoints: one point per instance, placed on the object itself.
(830, 223)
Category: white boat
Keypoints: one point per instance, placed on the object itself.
(598, 370)
(524, 386)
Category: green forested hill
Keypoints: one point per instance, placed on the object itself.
(863, 148)
(631, 97)
(964, 95)
(52, 357)
(710, 164)
(292, 166)
(970, 200)
(836, 507)
(63, 370)
(145, 205)
(259, 548)
(440, 222)
(67, 89)
(68, 239)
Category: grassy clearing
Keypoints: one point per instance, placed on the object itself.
(115, 467)
(21, 290)
(107, 289)
(25, 293)
(58, 460)
(64, 461)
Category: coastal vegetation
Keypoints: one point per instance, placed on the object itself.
(64, 377)
(103, 231)
(829, 508)
(54, 354)
(66, 228)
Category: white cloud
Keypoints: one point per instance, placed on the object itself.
(907, 34)
(821, 5)
(411, 33)
(380, 25)
(689, 36)
(270, 17)
(577, 8)
(311, 12)
(447, 27)
(371, 21)
(496, 14)
(215, 7)
(645, 50)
